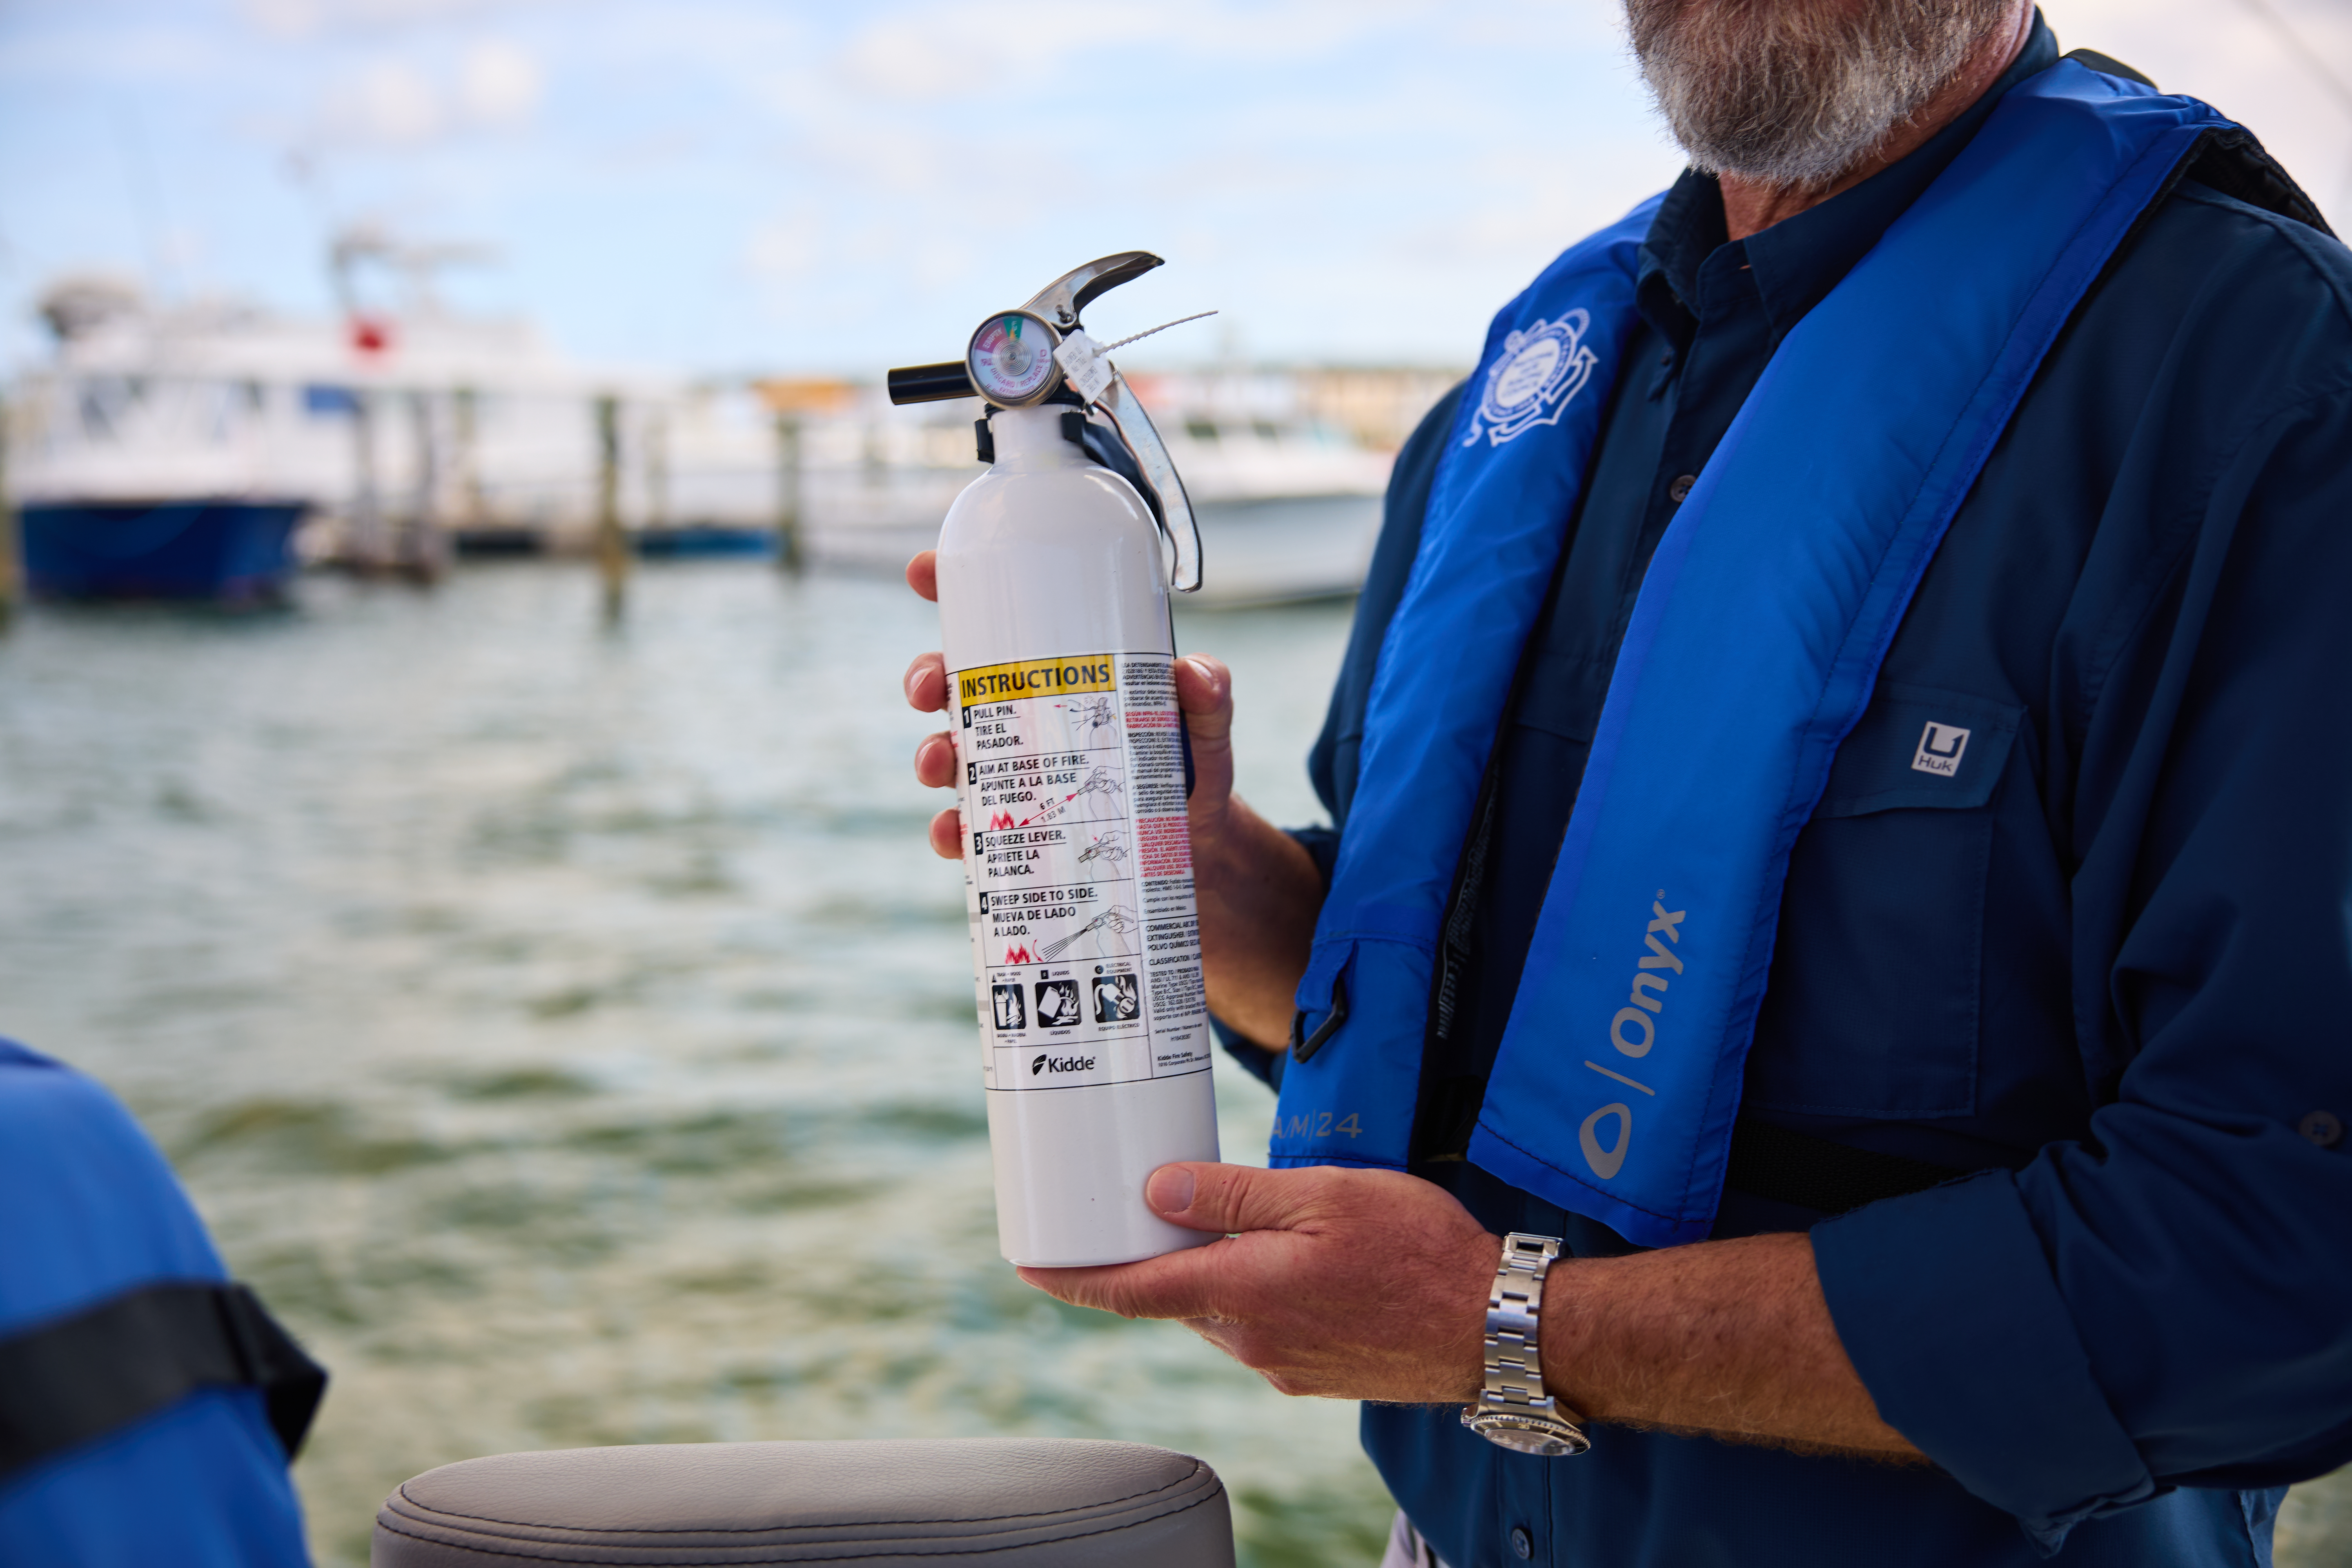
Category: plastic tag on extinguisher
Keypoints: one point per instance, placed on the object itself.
(1084, 366)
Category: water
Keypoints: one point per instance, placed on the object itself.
(569, 1034)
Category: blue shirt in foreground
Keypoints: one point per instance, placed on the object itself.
(2116, 978)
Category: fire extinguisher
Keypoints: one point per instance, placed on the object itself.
(1054, 568)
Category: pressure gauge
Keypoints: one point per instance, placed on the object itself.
(1011, 359)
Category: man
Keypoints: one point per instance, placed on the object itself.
(1971, 1074)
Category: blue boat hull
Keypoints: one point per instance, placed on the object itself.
(235, 551)
(704, 539)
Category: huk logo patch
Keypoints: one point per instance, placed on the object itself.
(1543, 367)
(1940, 746)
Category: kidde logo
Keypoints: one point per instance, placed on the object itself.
(1061, 1063)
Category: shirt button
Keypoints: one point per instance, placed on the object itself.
(1523, 1545)
(2323, 1128)
(1680, 487)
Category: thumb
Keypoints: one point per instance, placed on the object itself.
(1204, 690)
(1230, 1199)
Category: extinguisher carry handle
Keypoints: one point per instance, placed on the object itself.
(1119, 404)
(1061, 301)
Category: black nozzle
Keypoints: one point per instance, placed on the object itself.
(930, 382)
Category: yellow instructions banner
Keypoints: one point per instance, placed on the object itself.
(1036, 677)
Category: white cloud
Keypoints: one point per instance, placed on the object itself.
(500, 82)
(394, 104)
(393, 101)
(303, 19)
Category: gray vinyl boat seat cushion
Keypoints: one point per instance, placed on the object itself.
(988, 1502)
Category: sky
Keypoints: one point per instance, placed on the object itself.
(726, 186)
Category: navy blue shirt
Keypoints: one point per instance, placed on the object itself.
(2112, 973)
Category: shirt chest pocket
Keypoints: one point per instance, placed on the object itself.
(1877, 969)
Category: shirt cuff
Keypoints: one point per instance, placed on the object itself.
(1947, 1307)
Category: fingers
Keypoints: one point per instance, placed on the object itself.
(935, 761)
(1230, 1199)
(925, 683)
(1177, 1285)
(923, 575)
(946, 834)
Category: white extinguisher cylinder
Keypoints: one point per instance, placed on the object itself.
(1095, 1043)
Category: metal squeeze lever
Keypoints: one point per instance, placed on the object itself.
(1019, 359)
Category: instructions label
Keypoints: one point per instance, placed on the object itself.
(1078, 871)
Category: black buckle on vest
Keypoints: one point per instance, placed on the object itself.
(1303, 1044)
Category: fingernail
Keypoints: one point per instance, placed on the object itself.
(1169, 1190)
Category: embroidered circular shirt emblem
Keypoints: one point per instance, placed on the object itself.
(1543, 365)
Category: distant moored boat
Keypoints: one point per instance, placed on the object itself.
(234, 550)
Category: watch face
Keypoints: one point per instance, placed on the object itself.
(1522, 1436)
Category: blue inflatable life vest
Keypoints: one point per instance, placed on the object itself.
(147, 1406)
(1752, 649)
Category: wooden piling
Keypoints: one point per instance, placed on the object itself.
(789, 555)
(11, 546)
(421, 546)
(364, 548)
(473, 506)
(612, 545)
(656, 471)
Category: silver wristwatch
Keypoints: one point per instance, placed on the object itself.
(1513, 1410)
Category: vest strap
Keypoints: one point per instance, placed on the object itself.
(78, 1378)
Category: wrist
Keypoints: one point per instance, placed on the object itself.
(1515, 1408)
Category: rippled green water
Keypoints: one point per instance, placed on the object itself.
(569, 1034)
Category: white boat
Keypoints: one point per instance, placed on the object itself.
(406, 435)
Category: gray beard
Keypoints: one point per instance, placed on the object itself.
(1797, 92)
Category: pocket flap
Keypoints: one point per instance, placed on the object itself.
(1921, 746)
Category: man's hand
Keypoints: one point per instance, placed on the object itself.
(1346, 1284)
(1373, 1285)
(1257, 890)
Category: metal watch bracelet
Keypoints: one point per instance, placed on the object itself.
(1513, 1410)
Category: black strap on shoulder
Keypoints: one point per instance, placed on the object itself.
(1790, 1167)
(2229, 160)
(2109, 66)
(78, 1378)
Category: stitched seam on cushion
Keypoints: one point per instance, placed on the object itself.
(890, 1549)
(761, 1529)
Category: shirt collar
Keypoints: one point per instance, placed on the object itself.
(1797, 261)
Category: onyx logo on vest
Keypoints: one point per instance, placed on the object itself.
(1940, 746)
(1543, 367)
(1645, 1002)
